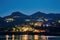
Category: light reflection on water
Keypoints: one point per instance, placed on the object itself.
(29, 37)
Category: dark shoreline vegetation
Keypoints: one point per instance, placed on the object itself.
(29, 33)
(37, 23)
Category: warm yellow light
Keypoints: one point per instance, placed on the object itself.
(14, 29)
(38, 24)
(9, 19)
(39, 30)
(24, 37)
(36, 30)
(17, 30)
(36, 37)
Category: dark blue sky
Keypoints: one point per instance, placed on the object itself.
(29, 6)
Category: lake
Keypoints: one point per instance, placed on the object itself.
(28, 37)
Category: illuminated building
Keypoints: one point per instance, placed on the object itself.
(38, 24)
(32, 23)
(13, 29)
(46, 19)
(16, 16)
(47, 25)
(9, 19)
(23, 28)
(58, 21)
(27, 29)
(38, 30)
(27, 20)
(40, 20)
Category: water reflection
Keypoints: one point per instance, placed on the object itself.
(28, 37)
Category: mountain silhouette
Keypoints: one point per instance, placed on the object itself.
(38, 15)
(35, 15)
(44, 15)
(16, 15)
(19, 18)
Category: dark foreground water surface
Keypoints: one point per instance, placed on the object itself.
(28, 37)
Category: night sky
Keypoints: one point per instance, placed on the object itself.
(29, 6)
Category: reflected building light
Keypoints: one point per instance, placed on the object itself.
(7, 37)
(24, 37)
(36, 37)
(13, 37)
(44, 37)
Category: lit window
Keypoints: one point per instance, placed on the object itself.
(9, 19)
(27, 20)
(58, 21)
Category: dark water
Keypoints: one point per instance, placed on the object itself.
(54, 38)
(17, 37)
